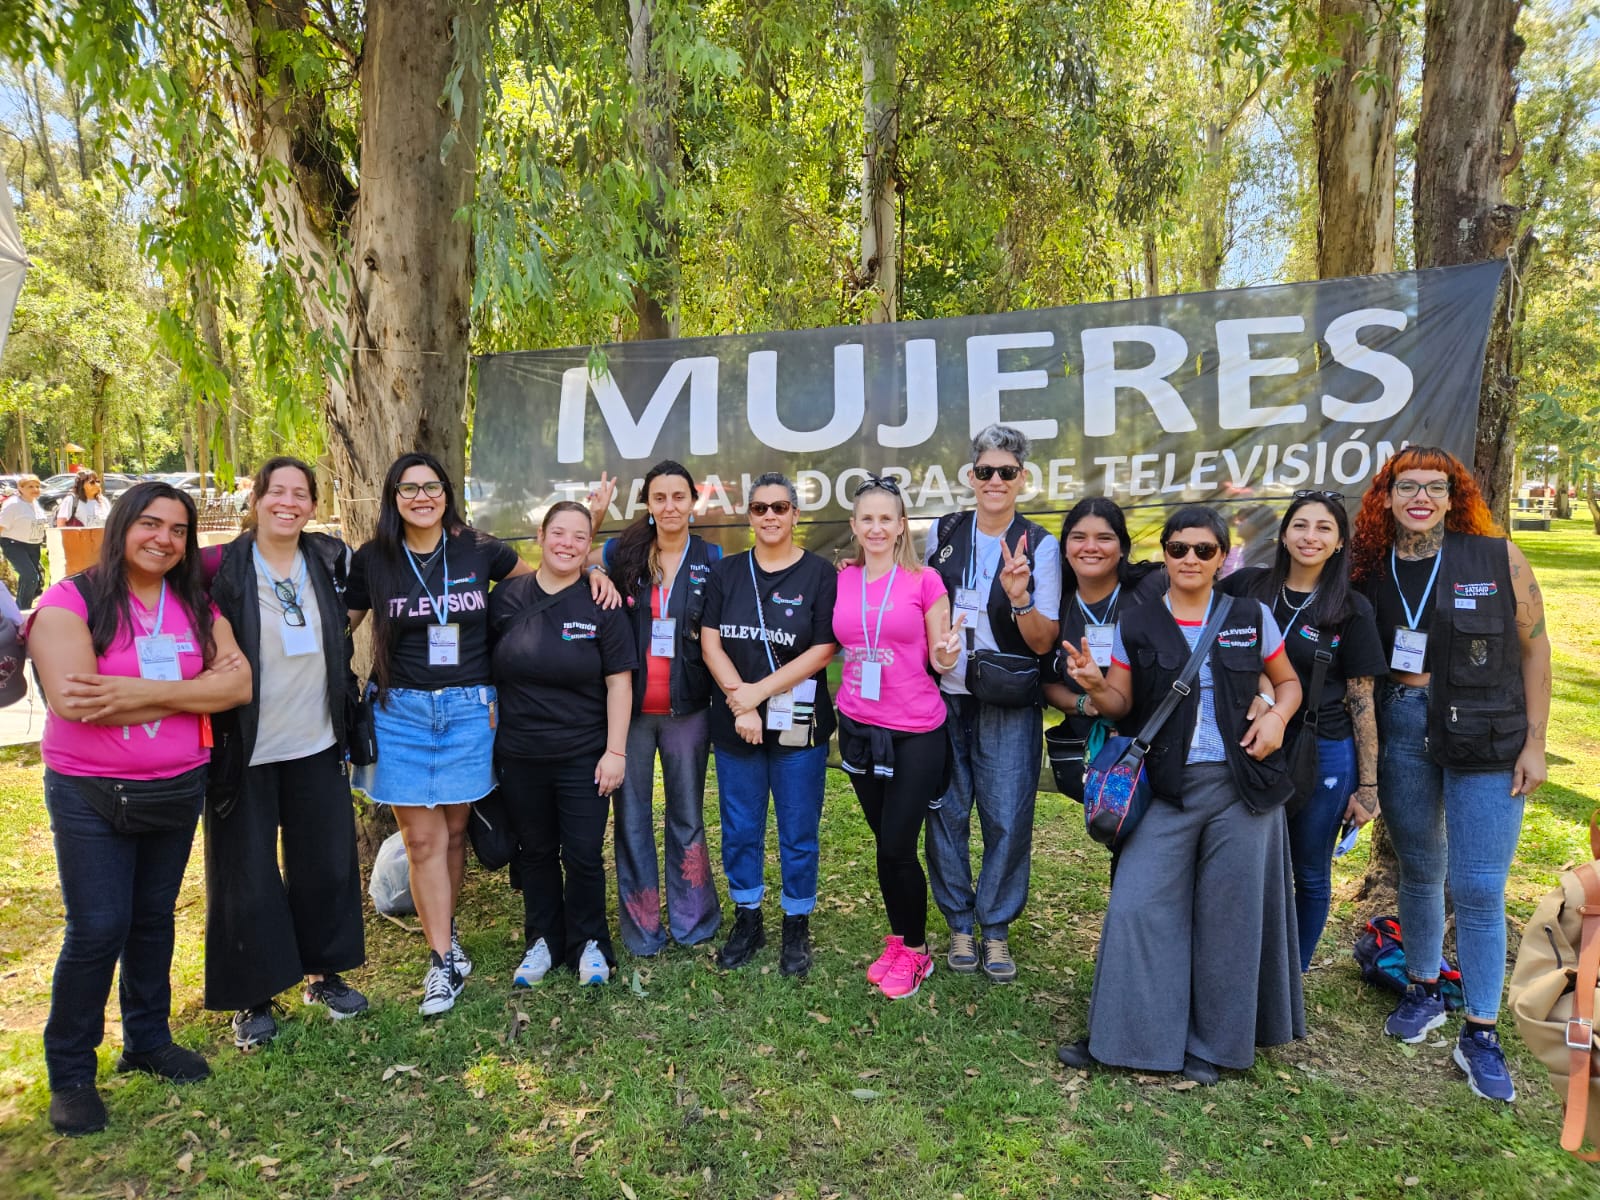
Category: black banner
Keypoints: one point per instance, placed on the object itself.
(1236, 398)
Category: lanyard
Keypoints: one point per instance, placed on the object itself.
(761, 616)
(161, 611)
(1294, 610)
(969, 578)
(443, 605)
(1212, 599)
(877, 634)
(665, 591)
(1412, 618)
(296, 580)
(1111, 609)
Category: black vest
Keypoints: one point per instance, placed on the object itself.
(689, 684)
(1477, 711)
(954, 535)
(1157, 653)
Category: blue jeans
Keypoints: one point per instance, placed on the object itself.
(1463, 825)
(994, 758)
(693, 910)
(120, 891)
(793, 778)
(1313, 833)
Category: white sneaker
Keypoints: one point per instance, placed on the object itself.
(463, 963)
(592, 965)
(535, 965)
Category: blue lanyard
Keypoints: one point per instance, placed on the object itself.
(877, 635)
(161, 610)
(296, 580)
(665, 590)
(1412, 618)
(1210, 600)
(442, 607)
(761, 616)
(1111, 609)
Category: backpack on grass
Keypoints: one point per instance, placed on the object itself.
(1381, 956)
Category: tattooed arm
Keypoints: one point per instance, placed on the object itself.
(1530, 770)
(1363, 804)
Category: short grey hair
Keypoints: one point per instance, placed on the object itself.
(1006, 438)
(773, 479)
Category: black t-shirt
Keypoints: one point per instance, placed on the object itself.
(1391, 613)
(550, 668)
(1105, 611)
(797, 604)
(475, 559)
(1357, 651)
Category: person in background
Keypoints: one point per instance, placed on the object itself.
(767, 639)
(279, 774)
(131, 658)
(23, 524)
(892, 620)
(563, 669)
(1307, 589)
(86, 506)
(664, 570)
(1002, 573)
(1462, 721)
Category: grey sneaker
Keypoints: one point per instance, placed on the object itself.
(254, 1027)
(963, 953)
(997, 964)
(341, 999)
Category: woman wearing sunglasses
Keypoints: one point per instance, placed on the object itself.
(86, 505)
(1197, 962)
(1462, 719)
(278, 772)
(1002, 573)
(892, 620)
(767, 639)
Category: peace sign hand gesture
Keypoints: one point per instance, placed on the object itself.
(600, 499)
(1015, 572)
(946, 652)
(1081, 666)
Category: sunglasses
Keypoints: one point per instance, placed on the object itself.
(408, 491)
(760, 508)
(293, 614)
(986, 472)
(1318, 494)
(875, 481)
(1204, 551)
(1437, 489)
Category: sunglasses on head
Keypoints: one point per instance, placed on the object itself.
(1204, 551)
(408, 491)
(985, 472)
(1319, 494)
(879, 482)
(760, 508)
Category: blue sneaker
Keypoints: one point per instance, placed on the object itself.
(1415, 1015)
(1478, 1053)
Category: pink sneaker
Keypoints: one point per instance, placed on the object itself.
(892, 946)
(906, 974)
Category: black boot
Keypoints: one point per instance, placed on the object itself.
(748, 936)
(796, 956)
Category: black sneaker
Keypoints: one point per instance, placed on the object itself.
(76, 1111)
(795, 958)
(1076, 1055)
(172, 1063)
(749, 935)
(1198, 1070)
(341, 999)
(254, 1027)
(440, 986)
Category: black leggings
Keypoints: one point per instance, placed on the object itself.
(895, 809)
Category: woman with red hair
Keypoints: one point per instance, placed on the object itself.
(1462, 719)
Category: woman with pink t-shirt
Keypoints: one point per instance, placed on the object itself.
(892, 619)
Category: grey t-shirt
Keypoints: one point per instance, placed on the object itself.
(294, 718)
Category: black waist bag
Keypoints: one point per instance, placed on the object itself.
(1004, 680)
(146, 805)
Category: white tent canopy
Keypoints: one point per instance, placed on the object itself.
(13, 262)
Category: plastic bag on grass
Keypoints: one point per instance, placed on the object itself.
(390, 888)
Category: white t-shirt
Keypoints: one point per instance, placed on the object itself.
(23, 520)
(294, 720)
(92, 513)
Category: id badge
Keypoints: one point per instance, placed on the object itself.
(871, 680)
(158, 657)
(1100, 638)
(1410, 645)
(969, 601)
(298, 640)
(780, 710)
(663, 637)
(444, 645)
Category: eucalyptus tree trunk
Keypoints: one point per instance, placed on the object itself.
(879, 273)
(1466, 146)
(655, 146)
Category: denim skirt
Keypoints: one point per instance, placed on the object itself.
(433, 747)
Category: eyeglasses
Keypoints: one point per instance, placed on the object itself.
(1204, 551)
(760, 508)
(1319, 494)
(985, 472)
(408, 491)
(1437, 489)
(293, 614)
(878, 481)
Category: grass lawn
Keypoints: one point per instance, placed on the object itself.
(677, 1080)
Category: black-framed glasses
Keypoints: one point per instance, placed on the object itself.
(881, 483)
(1437, 489)
(1319, 494)
(985, 472)
(293, 614)
(1204, 551)
(408, 491)
(760, 508)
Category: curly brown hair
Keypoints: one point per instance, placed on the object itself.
(1374, 524)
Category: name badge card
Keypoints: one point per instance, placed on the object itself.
(298, 640)
(780, 710)
(1100, 638)
(444, 645)
(158, 657)
(663, 637)
(1409, 647)
(871, 680)
(969, 601)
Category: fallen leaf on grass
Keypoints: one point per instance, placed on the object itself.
(1306, 1138)
(820, 1018)
(973, 1072)
(1184, 1085)
(261, 1160)
(865, 1093)
(399, 1068)
(185, 1161)
(1412, 1181)
(637, 988)
(627, 1191)
(837, 1124)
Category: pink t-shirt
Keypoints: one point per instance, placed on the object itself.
(157, 750)
(908, 696)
